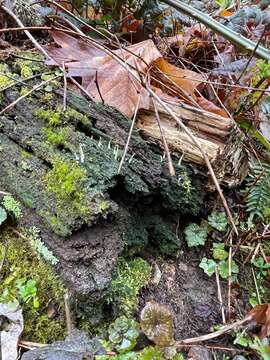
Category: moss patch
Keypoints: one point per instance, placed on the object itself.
(130, 277)
(23, 263)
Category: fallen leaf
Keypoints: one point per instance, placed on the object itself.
(211, 107)
(102, 76)
(11, 327)
(261, 314)
(185, 80)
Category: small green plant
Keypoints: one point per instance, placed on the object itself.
(218, 221)
(123, 334)
(196, 234)
(130, 277)
(261, 271)
(224, 4)
(12, 206)
(257, 192)
(209, 267)
(27, 291)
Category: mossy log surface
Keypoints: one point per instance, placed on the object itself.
(63, 167)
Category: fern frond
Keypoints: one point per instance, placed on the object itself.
(258, 189)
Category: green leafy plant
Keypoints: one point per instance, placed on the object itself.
(257, 192)
(27, 291)
(196, 234)
(12, 206)
(123, 334)
(209, 266)
(218, 221)
(157, 324)
(261, 272)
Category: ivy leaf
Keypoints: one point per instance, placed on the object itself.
(3, 215)
(218, 221)
(208, 266)
(224, 268)
(195, 235)
(219, 253)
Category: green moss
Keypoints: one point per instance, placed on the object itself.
(24, 90)
(24, 68)
(5, 80)
(76, 115)
(57, 136)
(23, 263)
(53, 118)
(130, 277)
(65, 181)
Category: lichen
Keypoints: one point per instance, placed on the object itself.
(23, 263)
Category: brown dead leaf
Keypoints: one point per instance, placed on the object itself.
(261, 314)
(211, 107)
(184, 79)
(102, 76)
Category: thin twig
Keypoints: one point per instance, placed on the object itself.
(35, 88)
(164, 141)
(129, 134)
(251, 57)
(220, 296)
(213, 335)
(68, 314)
(229, 277)
(256, 285)
(65, 88)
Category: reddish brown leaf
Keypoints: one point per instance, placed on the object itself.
(187, 80)
(102, 76)
(261, 314)
(211, 107)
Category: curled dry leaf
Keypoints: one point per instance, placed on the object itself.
(106, 80)
(183, 80)
(261, 314)
(211, 107)
(102, 76)
(157, 324)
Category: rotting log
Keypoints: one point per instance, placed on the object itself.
(63, 167)
(219, 137)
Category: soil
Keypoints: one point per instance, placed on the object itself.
(189, 293)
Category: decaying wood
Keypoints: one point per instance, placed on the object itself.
(216, 135)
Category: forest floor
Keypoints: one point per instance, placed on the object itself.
(134, 180)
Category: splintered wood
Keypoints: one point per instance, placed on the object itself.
(216, 135)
